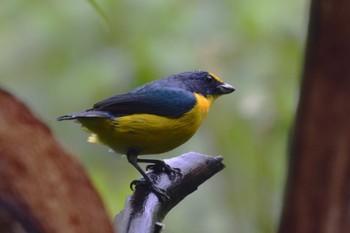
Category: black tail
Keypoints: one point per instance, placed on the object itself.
(85, 114)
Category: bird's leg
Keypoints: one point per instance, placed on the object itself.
(160, 193)
(159, 166)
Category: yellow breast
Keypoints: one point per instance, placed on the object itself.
(146, 133)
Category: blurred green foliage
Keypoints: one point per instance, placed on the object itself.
(63, 56)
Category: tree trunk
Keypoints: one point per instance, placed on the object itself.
(42, 188)
(318, 189)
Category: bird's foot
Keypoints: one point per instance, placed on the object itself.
(160, 193)
(161, 166)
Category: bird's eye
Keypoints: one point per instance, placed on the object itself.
(209, 79)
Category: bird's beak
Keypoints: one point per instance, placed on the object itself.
(224, 88)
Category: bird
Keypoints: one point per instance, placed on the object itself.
(153, 118)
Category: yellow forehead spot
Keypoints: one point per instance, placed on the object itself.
(216, 77)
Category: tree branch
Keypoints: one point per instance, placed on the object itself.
(143, 213)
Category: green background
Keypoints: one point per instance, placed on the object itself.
(62, 56)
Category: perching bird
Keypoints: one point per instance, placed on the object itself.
(154, 118)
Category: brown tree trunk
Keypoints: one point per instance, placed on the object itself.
(318, 188)
(42, 188)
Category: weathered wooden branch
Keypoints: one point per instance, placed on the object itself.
(318, 191)
(42, 188)
(143, 212)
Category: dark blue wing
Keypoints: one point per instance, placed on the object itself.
(156, 100)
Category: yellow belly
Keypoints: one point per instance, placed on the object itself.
(146, 133)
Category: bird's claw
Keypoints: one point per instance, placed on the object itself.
(172, 173)
(134, 183)
(160, 193)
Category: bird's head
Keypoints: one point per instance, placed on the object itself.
(203, 83)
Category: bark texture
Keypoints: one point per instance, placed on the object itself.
(318, 188)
